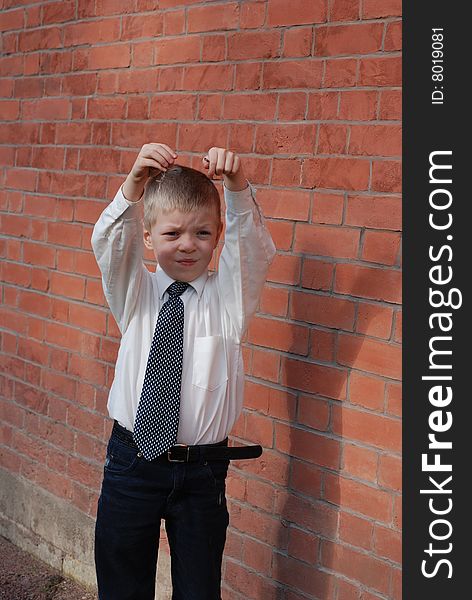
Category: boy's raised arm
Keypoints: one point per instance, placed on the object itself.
(117, 238)
(248, 248)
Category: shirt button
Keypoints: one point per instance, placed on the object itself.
(140, 454)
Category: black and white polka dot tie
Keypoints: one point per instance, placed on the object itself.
(157, 417)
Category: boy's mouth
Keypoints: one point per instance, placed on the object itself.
(187, 261)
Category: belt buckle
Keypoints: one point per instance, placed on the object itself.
(178, 459)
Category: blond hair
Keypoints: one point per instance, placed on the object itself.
(179, 188)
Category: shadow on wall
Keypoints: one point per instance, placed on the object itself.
(326, 492)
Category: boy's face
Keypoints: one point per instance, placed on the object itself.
(183, 243)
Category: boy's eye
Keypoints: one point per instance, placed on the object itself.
(171, 233)
(204, 233)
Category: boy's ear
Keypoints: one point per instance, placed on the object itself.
(147, 239)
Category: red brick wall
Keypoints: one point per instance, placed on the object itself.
(308, 92)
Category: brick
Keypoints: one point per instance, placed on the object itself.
(303, 546)
(210, 18)
(347, 591)
(323, 105)
(393, 37)
(374, 320)
(387, 176)
(322, 345)
(292, 106)
(303, 577)
(348, 39)
(213, 48)
(375, 9)
(306, 478)
(356, 565)
(300, 12)
(265, 364)
(322, 310)
(374, 212)
(366, 391)
(177, 50)
(317, 449)
(388, 543)
(314, 379)
(280, 335)
(317, 275)
(281, 233)
(384, 71)
(316, 516)
(207, 77)
(336, 173)
(284, 269)
(274, 301)
(378, 431)
(258, 429)
(358, 105)
(344, 10)
(394, 399)
(367, 282)
(355, 530)
(106, 108)
(381, 247)
(332, 139)
(92, 32)
(370, 355)
(360, 462)
(340, 72)
(109, 57)
(250, 106)
(260, 495)
(313, 412)
(248, 76)
(375, 140)
(391, 105)
(285, 204)
(285, 139)
(12, 19)
(40, 39)
(323, 240)
(390, 472)
(292, 74)
(258, 44)
(247, 582)
(297, 42)
(257, 556)
(137, 26)
(252, 14)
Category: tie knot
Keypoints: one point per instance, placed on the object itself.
(177, 288)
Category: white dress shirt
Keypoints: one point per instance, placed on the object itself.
(217, 305)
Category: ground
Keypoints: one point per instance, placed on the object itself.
(24, 577)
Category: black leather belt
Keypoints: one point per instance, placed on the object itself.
(185, 453)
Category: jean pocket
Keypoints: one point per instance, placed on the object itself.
(217, 471)
(120, 458)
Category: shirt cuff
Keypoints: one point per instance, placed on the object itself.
(242, 201)
(130, 202)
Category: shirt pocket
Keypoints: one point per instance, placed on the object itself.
(210, 369)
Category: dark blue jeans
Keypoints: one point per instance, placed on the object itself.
(136, 494)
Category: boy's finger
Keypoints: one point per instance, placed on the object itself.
(220, 163)
(229, 163)
(163, 157)
(169, 149)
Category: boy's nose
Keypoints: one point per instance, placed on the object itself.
(186, 244)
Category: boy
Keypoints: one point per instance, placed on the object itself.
(178, 385)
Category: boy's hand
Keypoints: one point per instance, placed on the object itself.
(151, 160)
(219, 161)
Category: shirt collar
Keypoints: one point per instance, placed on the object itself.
(164, 281)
